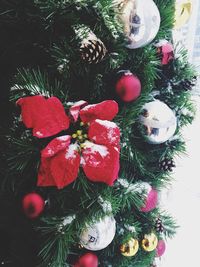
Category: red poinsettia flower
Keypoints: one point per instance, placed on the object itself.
(94, 146)
(46, 116)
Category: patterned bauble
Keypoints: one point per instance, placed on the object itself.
(99, 235)
(158, 122)
(128, 87)
(161, 247)
(33, 205)
(141, 21)
(130, 248)
(150, 242)
(87, 260)
(159, 226)
(167, 164)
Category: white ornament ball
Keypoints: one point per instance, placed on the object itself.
(141, 21)
(99, 235)
(158, 122)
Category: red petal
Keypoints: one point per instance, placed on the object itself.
(45, 177)
(104, 132)
(29, 111)
(101, 163)
(75, 109)
(105, 110)
(56, 145)
(64, 166)
(46, 116)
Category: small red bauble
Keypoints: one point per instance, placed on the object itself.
(166, 50)
(151, 201)
(161, 247)
(33, 205)
(87, 260)
(128, 87)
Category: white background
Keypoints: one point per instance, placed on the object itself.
(183, 202)
(182, 199)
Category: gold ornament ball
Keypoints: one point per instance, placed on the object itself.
(150, 242)
(183, 12)
(130, 248)
(80, 246)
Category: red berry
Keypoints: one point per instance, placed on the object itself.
(87, 260)
(128, 87)
(33, 205)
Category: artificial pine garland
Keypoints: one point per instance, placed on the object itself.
(39, 146)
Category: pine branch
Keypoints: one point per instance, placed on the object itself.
(33, 82)
(58, 237)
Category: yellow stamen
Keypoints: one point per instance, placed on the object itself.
(74, 135)
(82, 123)
(80, 137)
(82, 145)
(85, 135)
(79, 132)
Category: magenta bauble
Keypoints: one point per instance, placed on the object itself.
(151, 201)
(33, 205)
(128, 87)
(87, 260)
(166, 51)
(161, 247)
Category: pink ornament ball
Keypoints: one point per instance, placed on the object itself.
(33, 205)
(166, 50)
(168, 54)
(128, 87)
(151, 201)
(161, 247)
(87, 260)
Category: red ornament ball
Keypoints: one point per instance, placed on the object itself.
(151, 201)
(128, 87)
(33, 205)
(161, 247)
(87, 260)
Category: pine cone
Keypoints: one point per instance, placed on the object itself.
(186, 85)
(167, 164)
(93, 51)
(159, 226)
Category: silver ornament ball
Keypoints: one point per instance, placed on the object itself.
(99, 235)
(158, 122)
(141, 22)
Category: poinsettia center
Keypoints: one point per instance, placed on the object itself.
(80, 136)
